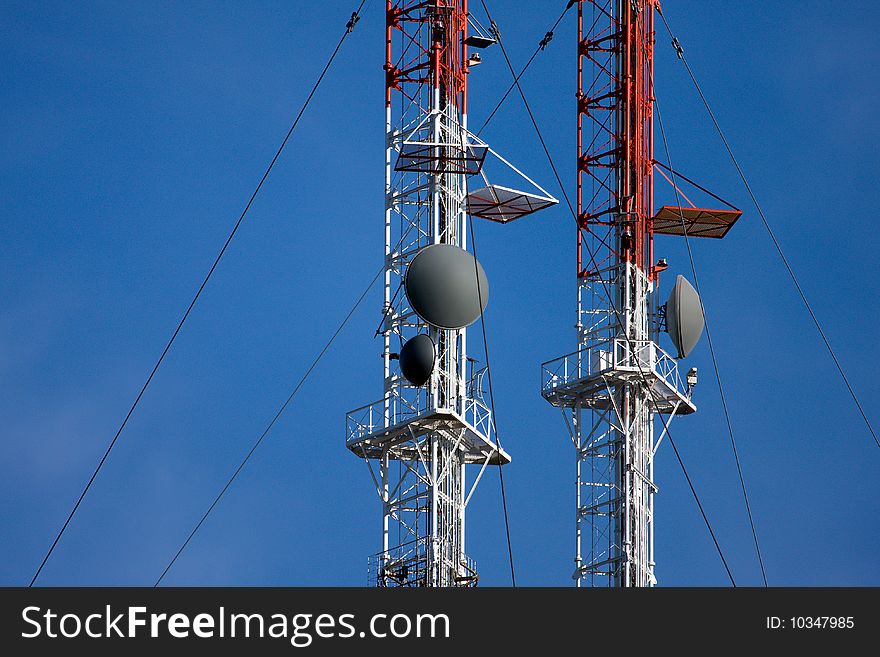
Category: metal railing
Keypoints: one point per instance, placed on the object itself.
(396, 410)
(607, 355)
(479, 417)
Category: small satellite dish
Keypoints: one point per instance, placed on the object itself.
(441, 285)
(417, 359)
(684, 316)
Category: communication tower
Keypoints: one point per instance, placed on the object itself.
(433, 419)
(619, 379)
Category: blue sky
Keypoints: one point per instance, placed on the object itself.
(133, 134)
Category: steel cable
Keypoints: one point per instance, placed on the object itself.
(355, 17)
(268, 428)
(676, 44)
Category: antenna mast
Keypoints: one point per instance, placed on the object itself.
(417, 440)
(612, 387)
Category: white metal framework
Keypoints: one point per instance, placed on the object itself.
(609, 391)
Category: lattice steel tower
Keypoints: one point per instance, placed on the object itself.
(612, 387)
(420, 438)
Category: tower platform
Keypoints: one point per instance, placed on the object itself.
(372, 429)
(588, 377)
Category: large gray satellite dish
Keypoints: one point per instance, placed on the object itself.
(417, 359)
(684, 316)
(441, 285)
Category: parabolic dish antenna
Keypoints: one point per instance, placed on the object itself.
(684, 316)
(417, 359)
(441, 285)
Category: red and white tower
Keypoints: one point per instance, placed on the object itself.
(619, 379)
(417, 440)
(434, 419)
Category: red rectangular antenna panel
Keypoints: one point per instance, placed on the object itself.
(699, 222)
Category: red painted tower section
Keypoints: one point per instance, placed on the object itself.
(615, 133)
